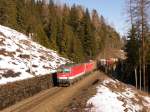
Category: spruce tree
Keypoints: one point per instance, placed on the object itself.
(20, 15)
(132, 49)
(74, 18)
(3, 12)
(88, 42)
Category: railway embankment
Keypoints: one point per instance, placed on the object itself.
(54, 99)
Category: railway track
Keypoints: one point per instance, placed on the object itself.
(27, 104)
(54, 99)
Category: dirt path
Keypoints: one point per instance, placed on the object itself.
(55, 99)
(79, 103)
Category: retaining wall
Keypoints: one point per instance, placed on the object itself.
(15, 92)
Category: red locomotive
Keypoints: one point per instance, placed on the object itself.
(68, 74)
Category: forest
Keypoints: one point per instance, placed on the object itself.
(73, 31)
(137, 65)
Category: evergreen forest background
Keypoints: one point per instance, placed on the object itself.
(73, 31)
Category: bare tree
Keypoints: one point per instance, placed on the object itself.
(131, 6)
(143, 6)
(138, 13)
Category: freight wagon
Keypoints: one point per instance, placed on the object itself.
(107, 65)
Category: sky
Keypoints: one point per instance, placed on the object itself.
(112, 10)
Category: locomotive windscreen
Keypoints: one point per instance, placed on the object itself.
(63, 70)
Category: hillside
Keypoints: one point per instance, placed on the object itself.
(114, 96)
(109, 95)
(77, 33)
(16, 53)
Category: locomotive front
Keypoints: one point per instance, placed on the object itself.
(63, 74)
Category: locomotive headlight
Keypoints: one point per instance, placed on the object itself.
(59, 70)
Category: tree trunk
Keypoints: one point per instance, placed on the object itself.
(140, 72)
(144, 77)
(135, 71)
(140, 76)
(143, 43)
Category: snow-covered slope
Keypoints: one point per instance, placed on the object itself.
(114, 96)
(18, 53)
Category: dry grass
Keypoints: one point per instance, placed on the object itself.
(6, 53)
(2, 41)
(111, 52)
(47, 67)
(25, 56)
(35, 66)
(78, 104)
(9, 73)
(25, 42)
(18, 50)
(42, 57)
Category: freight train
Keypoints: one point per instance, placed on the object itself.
(70, 73)
(107, 65)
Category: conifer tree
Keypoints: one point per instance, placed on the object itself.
(20, 15)
(70, 31)
(8, 13)
(3, 12)
(74, 19)
(88, 40)
(132, 49)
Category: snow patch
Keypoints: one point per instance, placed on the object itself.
(105, 82)
(146, 102)
(106, 101)
(110, 100)
(18, 53)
